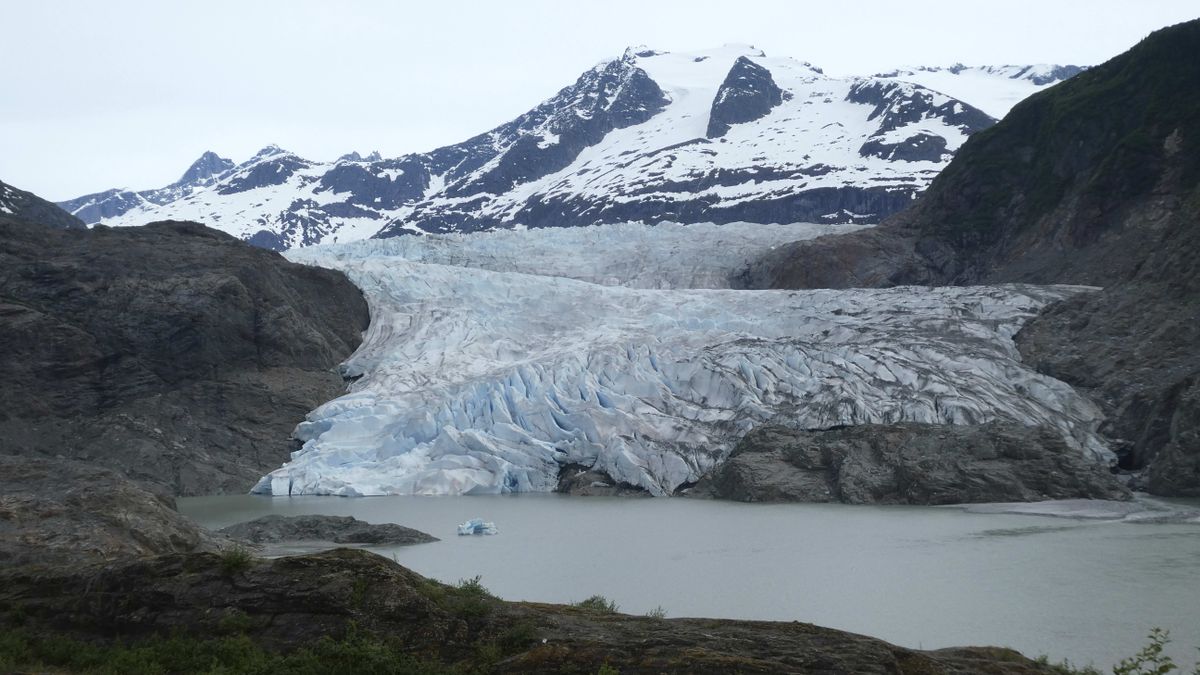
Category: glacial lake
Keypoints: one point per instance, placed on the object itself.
(1084, 589)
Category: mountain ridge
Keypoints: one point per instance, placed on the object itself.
(629, 140)
(18, 203)
(1095, 181)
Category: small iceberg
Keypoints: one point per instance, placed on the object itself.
(477, 526)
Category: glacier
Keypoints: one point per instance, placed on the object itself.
(493, 360)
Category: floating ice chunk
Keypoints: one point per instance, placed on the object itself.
(477, 526)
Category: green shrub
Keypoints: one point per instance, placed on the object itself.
(598, 603)
(1150, 660)
(518, 636)
(234, 622)
(473, 587)
(466, 599)
(235, 560)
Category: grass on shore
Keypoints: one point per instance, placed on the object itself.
(21, 650)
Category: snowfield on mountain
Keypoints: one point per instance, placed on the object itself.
(471, 380)
(721, 135)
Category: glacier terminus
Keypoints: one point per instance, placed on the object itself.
(488, 367)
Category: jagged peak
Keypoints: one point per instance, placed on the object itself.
(640, 52)
(356, 157)
(269, 151)
(209, 164)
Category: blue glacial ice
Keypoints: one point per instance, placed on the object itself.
(486, 367)
(477, 526)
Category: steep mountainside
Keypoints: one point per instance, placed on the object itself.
(28, 206)
(1095, 181)
(715, 136)
(172, 353)
(979, 84)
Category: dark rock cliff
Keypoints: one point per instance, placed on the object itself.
(748, 93)
(1093, 181)
(172, 353)
(28, 206)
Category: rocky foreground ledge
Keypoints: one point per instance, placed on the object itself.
(289, 604)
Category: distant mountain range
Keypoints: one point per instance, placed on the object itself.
(721, 135)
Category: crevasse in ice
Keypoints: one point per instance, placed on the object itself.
(482, 381)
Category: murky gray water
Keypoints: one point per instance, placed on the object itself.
(1086, 590)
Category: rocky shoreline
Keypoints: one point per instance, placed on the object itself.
(289, 604)
(908, 464)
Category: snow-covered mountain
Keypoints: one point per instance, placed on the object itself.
(483, 371)
(992, 89)
(722, 135)
(102, 206)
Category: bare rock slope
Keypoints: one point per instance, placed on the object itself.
(1093, 181)
(172, 353)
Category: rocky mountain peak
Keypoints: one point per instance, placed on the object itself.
(639, 51)
(269, 151)
(748, 93)
(209, 165)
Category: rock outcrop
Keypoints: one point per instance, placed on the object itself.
(276, 529)
(28, 206)
(581, 481)
(907, 464)
(747, 94)
(1093, 181)
(289, 603)
(60, 511)
(173, 354)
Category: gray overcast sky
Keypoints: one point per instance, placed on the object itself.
(127, 93)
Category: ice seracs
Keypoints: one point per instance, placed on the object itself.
(471, 380)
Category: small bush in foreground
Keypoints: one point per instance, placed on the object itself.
(236, 560)
(1149, 661)
(598, 603)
